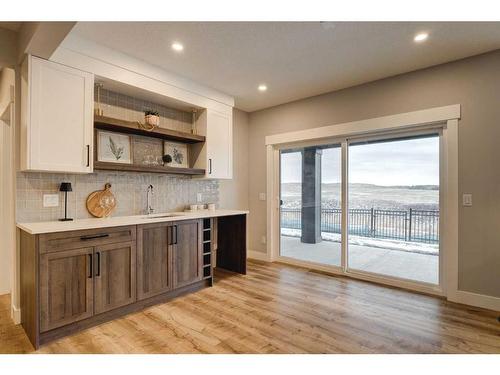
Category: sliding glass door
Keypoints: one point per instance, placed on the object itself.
(394, 207)
(310, 192)
(391, 202)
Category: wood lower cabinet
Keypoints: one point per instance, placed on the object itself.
(76, 284)
(154, 259)
(114, 276)
(74, 280)
(169, 256)
(187, 252)
(66, 288)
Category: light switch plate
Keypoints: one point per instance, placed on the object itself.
(467, 200)
(50, 200)
(262, 196)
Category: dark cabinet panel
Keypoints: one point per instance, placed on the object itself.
(187, 252)
(232, 243)
(154, 260)
(66, 288)
(114, 275)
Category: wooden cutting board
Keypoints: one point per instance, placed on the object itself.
(101, 203)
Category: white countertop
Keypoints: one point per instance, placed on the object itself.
(118, 221)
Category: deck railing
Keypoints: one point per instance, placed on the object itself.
(411, 225)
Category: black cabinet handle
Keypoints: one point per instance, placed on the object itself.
(98, 264)
(91, 268)
(93, 237)
(175, 227)
(88, 155)
(209, 166)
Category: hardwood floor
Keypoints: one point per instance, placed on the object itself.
(281, 309)
(12, 337)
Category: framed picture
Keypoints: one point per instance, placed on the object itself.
(178, 152)
(114, 147)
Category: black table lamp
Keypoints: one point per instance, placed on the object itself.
(65, 186)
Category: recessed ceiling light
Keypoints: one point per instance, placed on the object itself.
(262, 87)
(420, 37)
(176, 46)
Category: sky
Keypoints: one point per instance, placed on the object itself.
(403, 162)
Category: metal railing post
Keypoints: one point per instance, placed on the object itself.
(372, 222)
(406, 226)
(409, 225)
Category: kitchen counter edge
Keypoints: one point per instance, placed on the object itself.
(118, 221)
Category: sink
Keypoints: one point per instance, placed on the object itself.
(161, 216)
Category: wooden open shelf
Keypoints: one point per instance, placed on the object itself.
(130, 127)
(99, 165)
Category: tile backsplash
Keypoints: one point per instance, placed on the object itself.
(171, 193)
(132, 109)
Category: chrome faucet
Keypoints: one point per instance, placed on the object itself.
(149, 193)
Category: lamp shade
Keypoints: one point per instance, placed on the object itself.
(65, 186)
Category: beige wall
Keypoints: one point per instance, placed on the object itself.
(475, 84)
(233, 194)
(7, 78)
(8, 48)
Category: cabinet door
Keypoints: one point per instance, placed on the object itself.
(66, 288)
(114, 275)
(219, 145)
(187, 252)
(154, 260)
(59, 122)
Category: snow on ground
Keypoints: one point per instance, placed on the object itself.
(412, 247)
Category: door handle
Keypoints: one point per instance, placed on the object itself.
(209, 166)
(91, 263)
(98, 274)
(88, 155)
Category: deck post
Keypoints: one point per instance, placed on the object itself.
(311, 195)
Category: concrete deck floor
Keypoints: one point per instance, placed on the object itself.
(402, 264)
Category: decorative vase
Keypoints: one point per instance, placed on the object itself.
(152, 120)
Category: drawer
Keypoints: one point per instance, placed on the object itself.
(60, 241)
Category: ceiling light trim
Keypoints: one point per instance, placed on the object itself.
(421, 37)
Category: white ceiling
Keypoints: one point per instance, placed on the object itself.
(295, 60)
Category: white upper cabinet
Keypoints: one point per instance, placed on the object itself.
(56, 117)
(216, 154)
(219, 145)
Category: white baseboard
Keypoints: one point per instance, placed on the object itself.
(474, 299)
(15, 314)
(257, 255)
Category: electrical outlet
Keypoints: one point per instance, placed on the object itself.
(263, 240)
(262, 196)
(198, 197)
(50, 200)
(467, 200)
